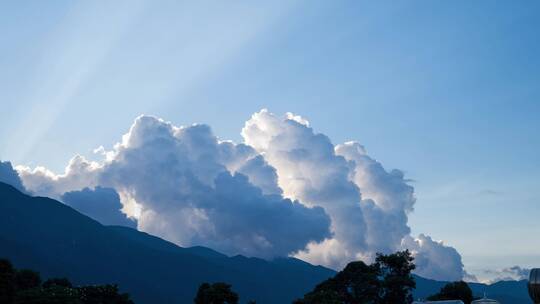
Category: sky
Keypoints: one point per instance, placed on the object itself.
(448, 92)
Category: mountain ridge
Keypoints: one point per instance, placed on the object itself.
(48, 236)
(58, 241)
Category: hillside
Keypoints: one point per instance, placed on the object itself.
(507, 292)
(46, 235)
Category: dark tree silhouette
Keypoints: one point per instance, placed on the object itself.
(397, 283)
(7, 282)
(24, 287)
(62, 282)
(454, 291)
(27, 279)
(357, 283)
(52, 295)
(321, 295)
(103, 294)
(217, 293)
(387, 281)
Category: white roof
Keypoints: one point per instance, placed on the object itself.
(485, 301)
(441, 302)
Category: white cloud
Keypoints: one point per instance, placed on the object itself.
(79, 174)
(387, 198)
(369, 206)
(434, 259)
(309, 170)
(9, 176)
(101, 204)
(285, 190)
(514, 273)
(185, 185)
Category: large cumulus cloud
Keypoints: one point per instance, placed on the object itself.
(368, 205)
(183, 184)
(286, 190)
(514, 273)
(79, 173)
(310, 171)
(9, 176)
(434, 259)
(101, 204)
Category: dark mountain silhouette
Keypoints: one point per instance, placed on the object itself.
(506, 292)
(45, 235)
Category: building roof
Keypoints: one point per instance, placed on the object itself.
(440, 302)
(485, 301)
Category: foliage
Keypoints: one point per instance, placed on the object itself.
(103, 294)
(25, 287)
(387, 281)
(454, 291)
(7, 282)
(62, 282)
(357, 283)
(52, 295)
(27, 279)
(217, 293)
(397, 283)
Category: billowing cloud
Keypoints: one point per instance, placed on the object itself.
(310, 171)
(286, 190)
(9, 176)
(514, 273)
(368, 205)
(79, 173)
(101, 204)
(185, 185)
(434, 259)
(387, 198)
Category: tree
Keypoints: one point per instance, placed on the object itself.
(103, 294)
(397, 283)
(7, 282)
(387, 281)
(217, 293)
(52, 295)
(357, 283)
(326, 296)
(454, 291)
(62, 282)
(27, 279)
(24, 287)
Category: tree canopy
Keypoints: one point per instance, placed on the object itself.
(25, 287)
(217, 293)
(387, 281)
(454, 291)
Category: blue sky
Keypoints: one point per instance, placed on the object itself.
(449, 92)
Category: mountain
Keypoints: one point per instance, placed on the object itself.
(45, 235)
(48, 236)
(506, 292)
